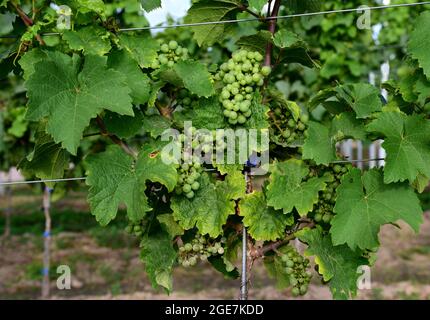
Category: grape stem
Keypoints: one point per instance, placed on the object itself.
(272, 29)
(114, 138)
(27, 21)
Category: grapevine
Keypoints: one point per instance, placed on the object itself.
(99, 97)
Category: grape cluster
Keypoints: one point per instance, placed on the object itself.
(241, 75)
(186, 99)
(286, 129)
(169, 54)
(323, 211)
(200, 248)
(189, 175)
(135, 228)
(297, 269)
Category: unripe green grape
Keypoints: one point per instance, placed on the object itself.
(190, 195)
(318, 217)
(220, 250)
(195, 186)
(173, 45)
(290, 263)
(129, 229)
(164, 48)
(227, 113)
(301, 126)
(256, 77)
(289, 270)
(186, 188)
(241, 119)
(295, 292)
(233, 115)
(188, 247)
(326, 218)
(303, 289)
(291, 123)
(266, 70)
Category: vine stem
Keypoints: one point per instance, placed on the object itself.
(27, 21)
(114, 138)
(272, 29)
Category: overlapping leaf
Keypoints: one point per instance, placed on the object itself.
(419, 43)
(114, 178)
(70, 98)
(211, 206)
(263, 222)
(336, 264)
(319, 144)
(364, 203)
(407, 143)
(288, 189)
(91, 40)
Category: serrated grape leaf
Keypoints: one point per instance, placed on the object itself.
(159, 257)
(255, 42)
(170, 225)
(114, 178)
(407, 143)
(70, 98)
(263, 222)
(150, 5)
(19, 125)
(90, 40)
(336, 264)
(300, 6)
(287, 188)
(155, 125)
(142, 48)
(196, 77)
(346, 125)
(48, 160)
(138, 82)
(86, 6)
(319, 145)
(298, 55)
(115, 124)
(259, 118)
(208, 115)
(231, 248)
(29, 60)
(285, 38)
(208, 11)
(364, 203)
(419, 42)
(210, 207)
(363, 98)
(257, 4)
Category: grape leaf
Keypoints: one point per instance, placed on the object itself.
(276, 270)
(150, 5)
(346, 125)
(142, 48)
(170, 225)
(208, 11)
(48, 160)
(114, 178)
(208, 115)
(210, 207)
(255, 42)
(91, 40)
(138, 82)
(257, 4)
(219, 264)
(407, 143)
(159, 257)
(155, 125)
(287, 188)
(364, 203)
(70, 99)
(319, 145)
(259, 119)
(363, 98)
(285, 38)
(263, 222)
(115, 124)
(195, 76)
(86, 6)
(336, 264)
(419, 42)
(29, 60)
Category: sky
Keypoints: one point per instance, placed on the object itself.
(175, 8)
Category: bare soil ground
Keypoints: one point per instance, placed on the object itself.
(109, 268)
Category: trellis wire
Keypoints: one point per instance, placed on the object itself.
(262, 19)
(83, 178)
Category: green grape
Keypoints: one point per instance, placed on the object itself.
(201, 249)
(296, 267)
(241, 76)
